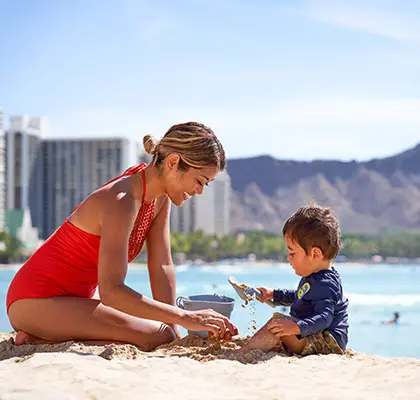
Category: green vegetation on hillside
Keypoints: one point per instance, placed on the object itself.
(198, 245)
(270, 246)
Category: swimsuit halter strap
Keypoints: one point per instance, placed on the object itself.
(143, 177)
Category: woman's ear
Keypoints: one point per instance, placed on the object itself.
(172, 161)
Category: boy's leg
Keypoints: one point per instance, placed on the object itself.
(318, 343)
(263, 339)
(293, 344)
(321, 343)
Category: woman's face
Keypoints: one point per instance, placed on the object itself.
(182, 185)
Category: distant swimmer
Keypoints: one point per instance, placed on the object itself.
(393, 321)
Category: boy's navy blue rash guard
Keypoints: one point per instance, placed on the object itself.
(318, 304)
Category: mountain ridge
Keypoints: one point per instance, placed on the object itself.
(369, 197)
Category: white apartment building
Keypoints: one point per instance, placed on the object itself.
(23, 180)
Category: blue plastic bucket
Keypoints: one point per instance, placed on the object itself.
(222, 304)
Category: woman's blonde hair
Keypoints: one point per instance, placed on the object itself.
(195, 143)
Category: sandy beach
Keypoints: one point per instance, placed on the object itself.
(195, 368)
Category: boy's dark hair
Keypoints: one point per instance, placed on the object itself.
(315, 226)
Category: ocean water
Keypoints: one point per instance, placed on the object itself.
(374, 293)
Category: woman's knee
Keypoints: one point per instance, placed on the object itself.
(168, 335)
(16, 315)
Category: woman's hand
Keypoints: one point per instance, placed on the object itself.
(266, 294)
(208, 320)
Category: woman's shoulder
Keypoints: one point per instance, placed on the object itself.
(114, 200)
(117, 195)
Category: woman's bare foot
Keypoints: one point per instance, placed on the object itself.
(25, 338)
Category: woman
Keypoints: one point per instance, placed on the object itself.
(51, 297)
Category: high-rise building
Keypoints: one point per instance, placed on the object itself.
(23, 179)
(49, 177)
(2, 172)
(222, 203)
(208, 212)
(183, 218)
(73, 168)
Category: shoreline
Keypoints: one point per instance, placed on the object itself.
(255, 264)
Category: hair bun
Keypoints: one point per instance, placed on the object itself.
(150, 144)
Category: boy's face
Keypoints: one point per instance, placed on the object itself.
(303, 264)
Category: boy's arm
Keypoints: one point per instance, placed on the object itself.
(283, 297)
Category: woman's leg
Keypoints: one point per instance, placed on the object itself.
(60, 319)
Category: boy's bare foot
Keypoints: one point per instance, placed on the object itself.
(279, 348)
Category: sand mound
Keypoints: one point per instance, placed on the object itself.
(194, 347)
(203, 349)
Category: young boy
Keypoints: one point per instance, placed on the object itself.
(318, 321)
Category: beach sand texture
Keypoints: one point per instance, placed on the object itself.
(196, 368)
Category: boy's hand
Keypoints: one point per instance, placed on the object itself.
(266, 294)
(283, 327)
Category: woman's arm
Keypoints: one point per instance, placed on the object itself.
(159, 259)
(118, 215)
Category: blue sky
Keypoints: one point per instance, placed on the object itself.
(295, 79)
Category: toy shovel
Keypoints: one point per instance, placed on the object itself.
(246, 292)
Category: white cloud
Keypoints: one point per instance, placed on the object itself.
(339, 128)
(375, 17)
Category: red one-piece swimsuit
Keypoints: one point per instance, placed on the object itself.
(66, 264)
